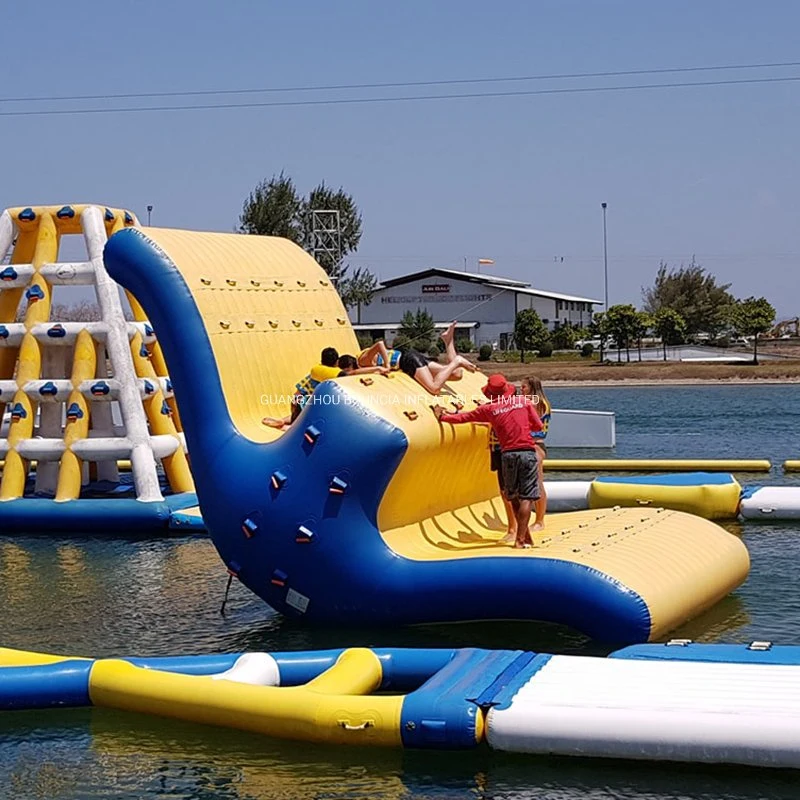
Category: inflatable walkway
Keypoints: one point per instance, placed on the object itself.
(367, 511)
(80, 396)
(732, 704)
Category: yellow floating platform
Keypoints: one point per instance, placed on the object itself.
(658, 465)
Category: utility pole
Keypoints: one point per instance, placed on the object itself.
(149, 212)
(605, 256)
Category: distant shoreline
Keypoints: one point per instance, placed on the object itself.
(637, 382)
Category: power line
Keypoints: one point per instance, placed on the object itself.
(398, 84)
(367, 100)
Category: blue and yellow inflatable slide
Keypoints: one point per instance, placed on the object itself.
(367, 511)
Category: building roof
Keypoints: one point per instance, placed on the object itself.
(550, 295)
(473, 277)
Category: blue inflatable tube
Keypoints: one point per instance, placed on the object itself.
(89, 516)
(45, 686)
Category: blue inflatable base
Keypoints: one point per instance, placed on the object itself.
(123, 516)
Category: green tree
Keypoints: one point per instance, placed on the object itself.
(623, 325)
(274, 208)
(599, 328)
(752, 317)
(358, 289)
(694, 294)
(529, 332)
(564, 337)
(670, 326)
(645, 322)
(416, 331)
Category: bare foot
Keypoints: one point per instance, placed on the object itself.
(468, 365)
(509, 538)
(447, 335)
(537, 526)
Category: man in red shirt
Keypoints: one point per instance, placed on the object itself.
(512, 419)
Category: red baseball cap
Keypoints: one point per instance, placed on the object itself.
(498, 386)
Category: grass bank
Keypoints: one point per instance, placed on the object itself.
(647, 371)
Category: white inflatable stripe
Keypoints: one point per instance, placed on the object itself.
(257, 669)
(686, 711)
(567, 495)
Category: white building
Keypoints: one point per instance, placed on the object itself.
(484, 306)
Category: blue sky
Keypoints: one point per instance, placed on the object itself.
(705, 171)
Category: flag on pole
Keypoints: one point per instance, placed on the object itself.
(486, 261)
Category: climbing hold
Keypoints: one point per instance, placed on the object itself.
(457, 404)
(337, 486)
(34, 293)
(278, 283)
(3, 332)
(318, 322)
(230, 281)
(303, 534)
(143, 351)
(148, 331)
(273, 323)
(8, 274)
(48, 388)
(278, 479)
(296, 323)
(26, 215)
(165, 409)
(249, 528)
(341, 321)
(205, 281)
(249, 323)
(18, 412)
(255, 283)
(224, 324)
(57, 331)
(128, 218)
(322, 282)
(109, 215)
(279, 578)
(65, 212)
(311, 434)
(99, 389)
(74, 412)
(301, 283)
(169, 385)
(412, 415)
(367, 381)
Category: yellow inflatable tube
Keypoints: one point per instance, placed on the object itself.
(332, 708)
(27, 658)
(709, 500)
(791, 466)
(656, 465)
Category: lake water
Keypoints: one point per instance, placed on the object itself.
(94, 597)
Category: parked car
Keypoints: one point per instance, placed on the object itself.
(593, 342)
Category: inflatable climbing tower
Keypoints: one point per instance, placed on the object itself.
(81, 400)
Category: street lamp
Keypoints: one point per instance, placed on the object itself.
(605, 255)
(150, 211)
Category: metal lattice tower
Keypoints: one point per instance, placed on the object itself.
(326, 241)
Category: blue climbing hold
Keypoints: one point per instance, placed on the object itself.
(165, 409)
(26, 215)
(34, 293)
(304, 535)
(169, 386)
(148, 331)
(338, 486)
(48, 389)
(311, 434)
(148, 387)
(144, 352)
(3, 332)
(57, 331)
(100, 388)
(128, 218)
(8, 274)
(250, 524)
(65, 212)
(109, 215)
(74, 412)
(278, 479)
(18, 412)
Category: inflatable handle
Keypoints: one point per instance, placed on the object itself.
(362, 727)
(642, 502)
